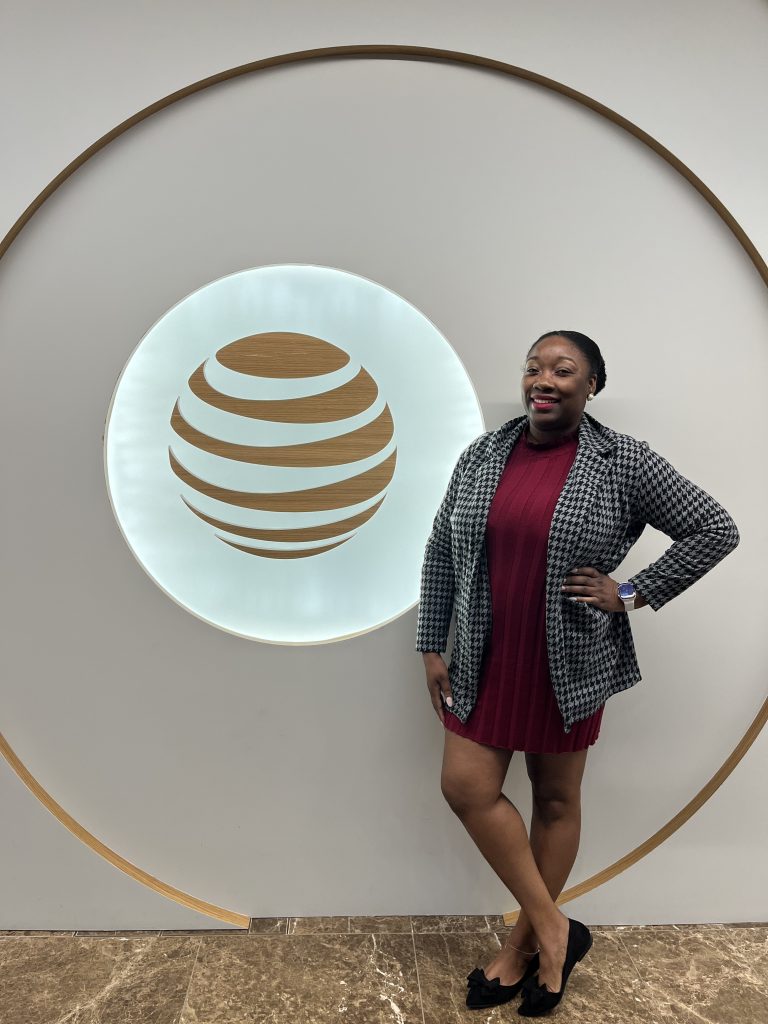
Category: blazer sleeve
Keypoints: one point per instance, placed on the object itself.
(437, 573)
(702, 531)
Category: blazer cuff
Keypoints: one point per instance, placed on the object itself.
(646, 589)
(431, 643)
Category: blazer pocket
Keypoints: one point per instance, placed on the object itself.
(584, 620)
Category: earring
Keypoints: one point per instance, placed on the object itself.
(590, 396)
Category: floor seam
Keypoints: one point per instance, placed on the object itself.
(416, 967)
(189, 983)
(625, 947)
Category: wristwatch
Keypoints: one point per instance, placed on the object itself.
(627, 593)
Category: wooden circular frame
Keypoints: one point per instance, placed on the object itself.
(393, 52)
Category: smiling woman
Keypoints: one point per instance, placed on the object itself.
(560, 494)
(562, 370)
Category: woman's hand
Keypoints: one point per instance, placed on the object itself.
(595, 588)
(437, 682)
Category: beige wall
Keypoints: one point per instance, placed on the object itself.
(500, 211)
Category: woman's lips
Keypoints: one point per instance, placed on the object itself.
(544, 403)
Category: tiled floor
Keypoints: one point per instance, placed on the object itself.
(405, 970)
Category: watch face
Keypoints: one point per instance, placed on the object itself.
(626, 591)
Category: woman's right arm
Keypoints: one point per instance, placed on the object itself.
(437, 575)
(437, 594)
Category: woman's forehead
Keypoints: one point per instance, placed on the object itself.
(561, 349)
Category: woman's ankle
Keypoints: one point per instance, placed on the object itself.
(523, 943)
(552, 933)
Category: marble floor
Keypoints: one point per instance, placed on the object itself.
(405, 970)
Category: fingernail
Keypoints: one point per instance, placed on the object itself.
(449, 701)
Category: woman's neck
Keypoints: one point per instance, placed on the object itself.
(542, 437)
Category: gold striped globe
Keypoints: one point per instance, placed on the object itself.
(285, 357)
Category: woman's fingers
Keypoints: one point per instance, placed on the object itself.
(447, 695)
(438, 684)
(590, 586)
(434, 696)
(437, 694)
(445, 687)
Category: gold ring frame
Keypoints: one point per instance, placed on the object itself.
(393, 52)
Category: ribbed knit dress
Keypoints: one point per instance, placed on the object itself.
(516, 707)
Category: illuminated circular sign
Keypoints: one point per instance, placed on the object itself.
(277, 446)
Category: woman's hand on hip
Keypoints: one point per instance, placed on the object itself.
(438, 684)
(591, 586)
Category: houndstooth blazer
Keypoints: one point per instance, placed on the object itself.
(615, 487)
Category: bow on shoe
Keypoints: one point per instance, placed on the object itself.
(484, 992)
(534, 994)
(477, 979)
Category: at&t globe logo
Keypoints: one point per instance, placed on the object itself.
(277, 446)
(288, 357)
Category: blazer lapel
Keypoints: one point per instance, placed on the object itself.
(489, 472)
(579, 492)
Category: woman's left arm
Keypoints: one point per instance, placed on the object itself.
(702, 531)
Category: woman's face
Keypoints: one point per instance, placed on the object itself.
(556, 369)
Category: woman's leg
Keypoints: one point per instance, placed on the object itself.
(555, 831)
(472, 777)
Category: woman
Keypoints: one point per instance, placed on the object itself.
(536, 516)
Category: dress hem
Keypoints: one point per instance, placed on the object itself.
(513, 750)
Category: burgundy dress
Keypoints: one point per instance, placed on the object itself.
(516, 707)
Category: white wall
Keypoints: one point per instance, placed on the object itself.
(500, 211)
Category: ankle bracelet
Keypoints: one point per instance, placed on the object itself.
(523, 951)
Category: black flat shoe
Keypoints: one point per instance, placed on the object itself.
(537, 999)
(484, 992)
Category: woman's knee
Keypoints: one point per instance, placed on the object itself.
(555, 803)
(552, 810)
(556, 784)
(465, 794)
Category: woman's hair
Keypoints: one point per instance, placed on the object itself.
(588, 348)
